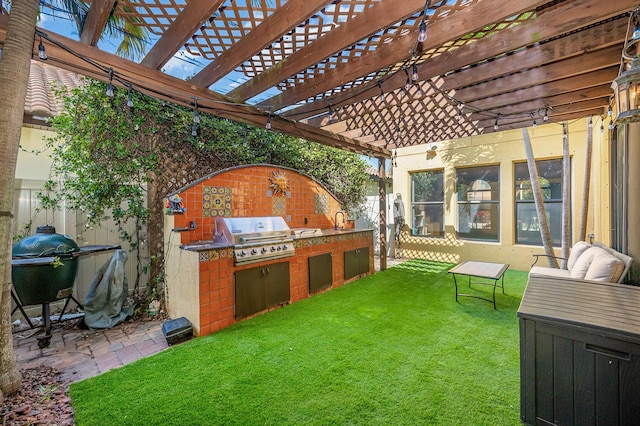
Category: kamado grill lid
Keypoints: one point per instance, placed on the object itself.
(45, 242)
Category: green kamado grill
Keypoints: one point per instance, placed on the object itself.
(43, 270)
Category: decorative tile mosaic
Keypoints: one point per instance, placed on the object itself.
(321, 203)
(215, 254)
(216, 201)
(278, 206)
(308, 242)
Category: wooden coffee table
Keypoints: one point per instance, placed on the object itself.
(486, 270)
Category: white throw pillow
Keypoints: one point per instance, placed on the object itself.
(605, 268)
(578, 249)
(581, 266)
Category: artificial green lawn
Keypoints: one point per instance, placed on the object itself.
(390, 349)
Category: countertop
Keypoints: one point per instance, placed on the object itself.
(297, 234)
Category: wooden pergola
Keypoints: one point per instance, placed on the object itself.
(357, 67)
(306, 65)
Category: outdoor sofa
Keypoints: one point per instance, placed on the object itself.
(591, 262)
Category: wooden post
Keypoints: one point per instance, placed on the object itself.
(586, 187)
(566, 194)
(382, 192)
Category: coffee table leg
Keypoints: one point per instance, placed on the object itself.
(495, 282)
(455, 282)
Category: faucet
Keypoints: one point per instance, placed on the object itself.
(335, 219)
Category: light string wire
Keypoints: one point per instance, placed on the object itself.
(162, 94)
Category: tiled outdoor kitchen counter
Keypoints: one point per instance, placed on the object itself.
(200, 274)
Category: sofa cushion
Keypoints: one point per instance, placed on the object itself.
(549, 272)
(581, 266)
(605, 267)
(578, 249)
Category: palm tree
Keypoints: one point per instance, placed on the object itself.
(127, 27)
(14, 75)
(545, 234)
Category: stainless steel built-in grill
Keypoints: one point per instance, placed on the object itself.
(255, 239)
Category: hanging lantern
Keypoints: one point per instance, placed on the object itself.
(626, 86)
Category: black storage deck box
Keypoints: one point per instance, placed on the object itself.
(177, 330)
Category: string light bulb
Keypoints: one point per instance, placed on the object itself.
(602, 126)
(42, 54)
(460, 109)
(414, 73)
(268, 125)
(194, 129)
(610, 111)
(196, 115)
(129, 98)
(495, 124)
(611, 125)
(422, 34)
(109, 91)
(407, 84)
(546, 115)
(330, 112)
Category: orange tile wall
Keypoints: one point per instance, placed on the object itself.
(249, 187)
(217, 275)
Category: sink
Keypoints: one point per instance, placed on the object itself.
(305, 232)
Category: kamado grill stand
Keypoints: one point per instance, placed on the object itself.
(43, 270)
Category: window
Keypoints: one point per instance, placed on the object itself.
(478, 203)
(526, 220)
(427, 203)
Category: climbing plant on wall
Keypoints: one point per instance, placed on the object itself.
(112, 161)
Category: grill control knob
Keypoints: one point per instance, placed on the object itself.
(273, 248)
(285, 247)
(242, 253)
(254, 251)
(279, 248)
(264, 250)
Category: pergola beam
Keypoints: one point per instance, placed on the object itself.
(557, 119)
(283, 20)
(577, 65)
(74, 56)
(382, 15)
(550, 103)
(441, 30)
(607, 34)
(192, 17)
(563, 18)
(592, 79)
(96, 21)
(524, 117)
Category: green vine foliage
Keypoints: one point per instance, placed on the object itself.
(106, 157)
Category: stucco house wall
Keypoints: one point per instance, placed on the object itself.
(504, 148)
